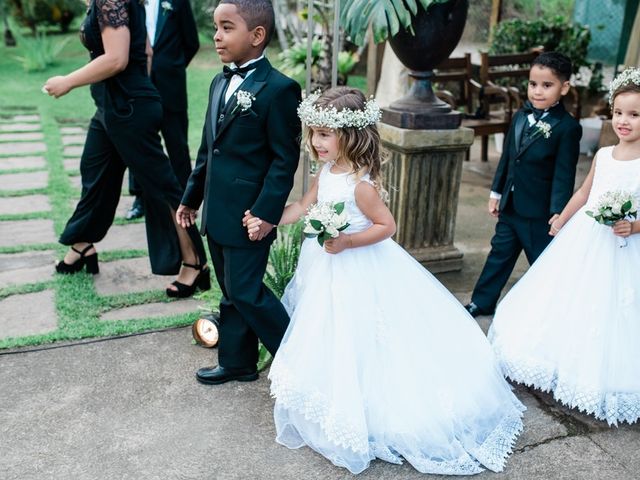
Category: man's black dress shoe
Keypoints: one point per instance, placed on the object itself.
(218, 375)
(136, 210)
(476, 311)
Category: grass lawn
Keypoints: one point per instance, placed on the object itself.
(77, 303)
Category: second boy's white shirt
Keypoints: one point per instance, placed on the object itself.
(151, 9)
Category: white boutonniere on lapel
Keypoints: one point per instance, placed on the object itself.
(244, 100)
(543, 128)
(166, 7)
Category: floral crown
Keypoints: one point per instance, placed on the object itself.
(316, 116)
(630, 75)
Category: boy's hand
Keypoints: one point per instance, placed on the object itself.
(338, 244)
(493, 206)
(622, 228)
(185, 216)
(256, 227)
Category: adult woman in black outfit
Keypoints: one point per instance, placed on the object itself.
(124, 133)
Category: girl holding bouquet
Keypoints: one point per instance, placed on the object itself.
(379, 360)
(571, 324)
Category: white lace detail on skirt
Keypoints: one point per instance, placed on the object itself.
(612, 407)
(315, 408)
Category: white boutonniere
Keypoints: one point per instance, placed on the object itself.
(543, 128)
(166, 7)
(244, 100)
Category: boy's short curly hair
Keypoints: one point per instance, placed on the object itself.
(557, 62)
(256, 13)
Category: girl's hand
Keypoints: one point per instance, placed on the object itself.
(338, 244)
(57, 86)
(253, 226)
(556, 225)
(622, 228)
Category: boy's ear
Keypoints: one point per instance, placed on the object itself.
(259, 35)
(566, 86)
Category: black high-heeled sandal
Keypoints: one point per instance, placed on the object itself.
(202, 281)
(90, 262)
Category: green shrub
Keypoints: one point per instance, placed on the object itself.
(34, 13)
(283, 258)
(39, 52)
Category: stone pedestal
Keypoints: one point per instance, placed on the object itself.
(422, 177)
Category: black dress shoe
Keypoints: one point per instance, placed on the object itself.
(218, 375)
(136, 210)
(476, 311)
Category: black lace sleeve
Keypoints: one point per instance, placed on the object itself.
(112, 13)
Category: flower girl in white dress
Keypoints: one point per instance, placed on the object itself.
(379, 360)
(571, 325)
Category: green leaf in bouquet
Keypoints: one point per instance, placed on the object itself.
(590, 213)
(339, 207)
(322, 237)
(626, 206)
(309, 235)
(344, 227)
(317, 224)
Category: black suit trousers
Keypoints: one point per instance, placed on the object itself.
(248, 309)
(114, 142)
(513, 234)
(175, 131)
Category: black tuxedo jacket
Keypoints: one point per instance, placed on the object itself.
(176, 42)
(539, 174)
(247, 161)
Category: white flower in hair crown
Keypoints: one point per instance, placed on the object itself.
(630, 75)
(315, 116)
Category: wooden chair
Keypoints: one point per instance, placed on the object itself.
(475, 98)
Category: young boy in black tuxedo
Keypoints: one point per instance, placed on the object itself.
(534, 179)
(246, 161)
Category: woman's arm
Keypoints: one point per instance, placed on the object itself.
(115, 59)
(384, 226)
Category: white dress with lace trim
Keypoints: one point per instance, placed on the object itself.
(571, 325)
(381, 361)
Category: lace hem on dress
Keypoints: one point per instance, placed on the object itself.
(492, 453)
(612, 407)
(112, 13)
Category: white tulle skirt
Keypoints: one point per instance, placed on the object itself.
(381, 361)
(571, 325)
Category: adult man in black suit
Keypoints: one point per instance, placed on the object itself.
(246, 161)
(534, 179)
(173, 36)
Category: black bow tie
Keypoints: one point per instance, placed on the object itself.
(229, 72)
(536, 112)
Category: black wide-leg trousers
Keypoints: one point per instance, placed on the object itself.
(114, 142)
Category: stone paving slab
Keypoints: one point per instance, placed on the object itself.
(124, 237)
(541, 426)
(19, 118)
(10, 163)
(22, 147)
(72, 150)
(20, 127)
(153, 310)
(28, 314)
(21, 137)
(26, 267)
(71, 164)
(124, 205)
(130, 275)
(26, 232)
(72, 130)
(76, 181)
(73, 139)
(24, 181)
(24, 204)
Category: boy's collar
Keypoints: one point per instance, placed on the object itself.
(253, 60)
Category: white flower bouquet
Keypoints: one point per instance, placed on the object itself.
(325, 220)
(614, 206)
(244, 100)
(543, 128)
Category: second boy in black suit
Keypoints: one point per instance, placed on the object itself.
(534, 179)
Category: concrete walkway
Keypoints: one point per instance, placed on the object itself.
(130, 408)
